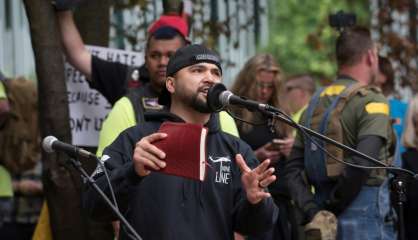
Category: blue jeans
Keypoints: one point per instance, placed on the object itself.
(369, 216)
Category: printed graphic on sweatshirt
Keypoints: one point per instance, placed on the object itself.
(222, 166)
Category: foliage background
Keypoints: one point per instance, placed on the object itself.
(301, 38)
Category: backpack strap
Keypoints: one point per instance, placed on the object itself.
(312, 105)
(315, 160)
(348, 94)
(312, 172)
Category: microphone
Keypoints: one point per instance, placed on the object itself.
(219, 97)
(51, 144)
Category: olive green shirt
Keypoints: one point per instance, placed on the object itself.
(366, 113)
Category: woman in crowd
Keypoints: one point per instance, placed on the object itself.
(261, 80)
(410, 162)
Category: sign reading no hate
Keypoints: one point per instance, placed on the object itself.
(88, 108)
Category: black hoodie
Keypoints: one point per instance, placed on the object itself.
(162, 207)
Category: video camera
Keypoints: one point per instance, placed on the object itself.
(341, 20)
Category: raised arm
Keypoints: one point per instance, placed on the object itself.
(75, 51)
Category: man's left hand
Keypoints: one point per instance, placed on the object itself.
(256, 180)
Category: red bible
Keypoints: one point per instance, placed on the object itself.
(185, 149)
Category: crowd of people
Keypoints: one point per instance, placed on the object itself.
(277, 182)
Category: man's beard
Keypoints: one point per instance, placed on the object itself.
(198, 104)
(194, 101)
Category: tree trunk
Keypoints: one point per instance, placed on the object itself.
(93, 20)
(61, 184)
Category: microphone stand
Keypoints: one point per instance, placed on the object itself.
(77, 165)
(399, 183)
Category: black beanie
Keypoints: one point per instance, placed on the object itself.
(184, 57)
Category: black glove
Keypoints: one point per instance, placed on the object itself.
(64, 5)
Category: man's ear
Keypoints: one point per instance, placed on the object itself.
(169, 84)
(371, 57)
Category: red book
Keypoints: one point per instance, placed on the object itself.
(185, 149)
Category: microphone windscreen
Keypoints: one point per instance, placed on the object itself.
(213, 100)
(47, 144)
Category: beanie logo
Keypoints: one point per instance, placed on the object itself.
(202, 57)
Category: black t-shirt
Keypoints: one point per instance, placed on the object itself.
(112, 79)
(257, 136)
(260, 134)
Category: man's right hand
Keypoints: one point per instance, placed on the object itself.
(147, 156)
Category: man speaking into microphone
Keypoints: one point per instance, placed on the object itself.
(230, 197)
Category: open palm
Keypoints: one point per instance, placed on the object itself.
(256, 180)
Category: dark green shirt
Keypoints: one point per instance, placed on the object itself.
(366, 113)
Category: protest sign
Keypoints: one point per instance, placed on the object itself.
(88, 108)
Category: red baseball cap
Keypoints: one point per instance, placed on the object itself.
(176, 22)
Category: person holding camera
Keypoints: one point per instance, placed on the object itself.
(347, 202)
(261, 79)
